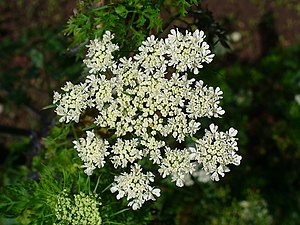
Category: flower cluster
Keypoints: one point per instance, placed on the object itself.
(135, 186)
(216, 150)
(82, 209)
(71, 105)
(177, 163)
(99, 56)
(92, 151)
(144, 101)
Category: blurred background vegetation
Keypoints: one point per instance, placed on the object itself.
(257, 65)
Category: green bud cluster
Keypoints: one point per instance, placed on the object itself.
(81, 209)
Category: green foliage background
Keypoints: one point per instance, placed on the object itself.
(259, 99)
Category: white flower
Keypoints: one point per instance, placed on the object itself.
(135, 186)
(124, 152)
(100, 90)
(56, 97)
(99, 56)
(92, 151)
(204, 101)
(152, 55)
(187, 51)
(176, 163)
(216, 150)
(154, 147)
(72, 103)
(145, 102)
(201, 176)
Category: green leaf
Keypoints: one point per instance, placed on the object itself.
(121, 10)
(141, 21)
(49, 107)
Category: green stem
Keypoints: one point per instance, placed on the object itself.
(121, 211)
(98, 180)
(74, 132)
(106, 188)
(88, 184)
